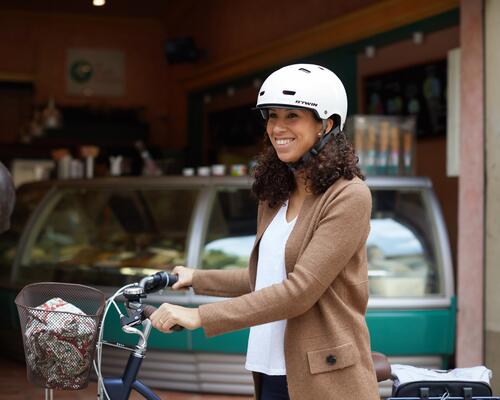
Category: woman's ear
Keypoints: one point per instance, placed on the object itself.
(329, 124)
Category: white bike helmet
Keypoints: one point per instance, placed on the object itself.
(305, 86)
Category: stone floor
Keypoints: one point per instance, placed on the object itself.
(14, 386)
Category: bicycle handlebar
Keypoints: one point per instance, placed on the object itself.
(158, 281)
(135, 293)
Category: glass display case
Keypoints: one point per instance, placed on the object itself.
(402, 245)
(111, 231)
(107, 237)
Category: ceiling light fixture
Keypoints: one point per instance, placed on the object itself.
(98, 3)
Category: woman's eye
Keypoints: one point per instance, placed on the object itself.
(271, 115)
(292, 115)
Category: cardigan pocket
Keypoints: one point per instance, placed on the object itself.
(333, 358)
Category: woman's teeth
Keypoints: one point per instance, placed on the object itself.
(283, 141)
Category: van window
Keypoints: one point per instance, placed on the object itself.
(231, 230)
(109, 237)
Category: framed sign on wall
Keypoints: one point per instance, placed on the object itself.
(95, 72)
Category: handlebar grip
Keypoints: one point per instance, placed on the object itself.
(158, 281)
(172, 279)
(148, 310)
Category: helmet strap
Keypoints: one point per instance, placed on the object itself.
(314, 151)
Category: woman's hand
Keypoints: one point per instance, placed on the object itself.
(185, 277)
(168, 315)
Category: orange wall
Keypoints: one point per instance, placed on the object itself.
(35, 45)
(224, 29)
(227, 28)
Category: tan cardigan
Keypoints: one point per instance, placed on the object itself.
(324, 298)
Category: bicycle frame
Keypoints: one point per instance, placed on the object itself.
(119, 388)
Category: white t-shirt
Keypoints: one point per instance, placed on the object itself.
(265, 351)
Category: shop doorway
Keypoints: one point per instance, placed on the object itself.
(16, 108)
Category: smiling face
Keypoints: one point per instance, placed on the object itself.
(292, 132)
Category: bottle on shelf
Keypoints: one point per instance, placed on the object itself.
(149, 168)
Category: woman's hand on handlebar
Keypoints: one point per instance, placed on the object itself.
(185, 277)
(169, 315)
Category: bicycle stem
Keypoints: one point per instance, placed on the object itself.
(140, 348)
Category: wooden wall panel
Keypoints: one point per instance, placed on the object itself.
(35, 44)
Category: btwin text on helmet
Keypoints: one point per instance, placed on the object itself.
(306, 103)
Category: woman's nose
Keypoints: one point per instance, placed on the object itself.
(278, 126)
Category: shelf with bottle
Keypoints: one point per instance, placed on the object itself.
(384, 144)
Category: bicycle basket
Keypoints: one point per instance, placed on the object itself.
(60, 324)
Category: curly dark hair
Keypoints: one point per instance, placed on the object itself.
(275, 180)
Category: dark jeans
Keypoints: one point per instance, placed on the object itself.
(273, 387)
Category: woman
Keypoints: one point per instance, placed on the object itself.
(305, 292)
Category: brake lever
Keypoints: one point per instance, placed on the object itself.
(134, 318)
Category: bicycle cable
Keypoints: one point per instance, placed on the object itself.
(97, 366)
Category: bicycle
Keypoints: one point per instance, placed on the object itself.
(120, 388)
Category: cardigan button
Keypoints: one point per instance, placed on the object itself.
(331, 359)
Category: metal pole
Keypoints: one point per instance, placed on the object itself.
(49, 394)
